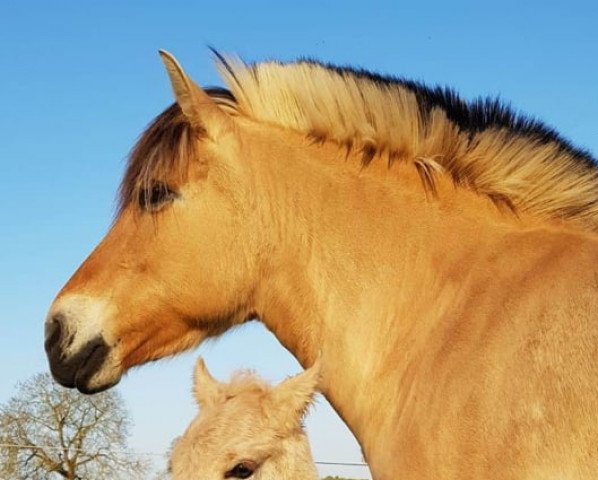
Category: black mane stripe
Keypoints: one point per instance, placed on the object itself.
(472, 116)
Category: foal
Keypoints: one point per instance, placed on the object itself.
(247, 429)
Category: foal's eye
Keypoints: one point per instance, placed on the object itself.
(155, 196)
(243, 469)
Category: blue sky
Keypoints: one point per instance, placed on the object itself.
(80, 80)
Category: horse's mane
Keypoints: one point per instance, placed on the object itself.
(482, 144)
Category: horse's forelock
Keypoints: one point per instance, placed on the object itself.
(162, 151)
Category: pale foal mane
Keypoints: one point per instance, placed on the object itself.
(482, 145)
(244, 382)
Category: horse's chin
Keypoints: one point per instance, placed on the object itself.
(98, 382)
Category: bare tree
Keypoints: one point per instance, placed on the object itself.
(47, 431)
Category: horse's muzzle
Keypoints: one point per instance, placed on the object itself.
(74, 370)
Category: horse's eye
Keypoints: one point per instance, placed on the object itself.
(243, 469)
(155, 196)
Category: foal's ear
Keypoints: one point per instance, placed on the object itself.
(292, 397)
(201, 110)
(205, 387)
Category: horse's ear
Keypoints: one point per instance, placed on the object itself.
(205, 387)
(292, 397)
(201, 110)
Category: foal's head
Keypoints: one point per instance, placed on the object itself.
(247, 429)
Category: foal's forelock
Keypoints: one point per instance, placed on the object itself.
(245, 382)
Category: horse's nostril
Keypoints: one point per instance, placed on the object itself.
(53, 331)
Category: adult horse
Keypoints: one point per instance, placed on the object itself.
(441, 255)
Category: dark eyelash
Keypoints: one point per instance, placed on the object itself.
(240, 470)
(155, 196)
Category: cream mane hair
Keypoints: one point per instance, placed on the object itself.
(483, 144)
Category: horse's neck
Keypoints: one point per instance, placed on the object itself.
(293, 463)
(359, 265)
